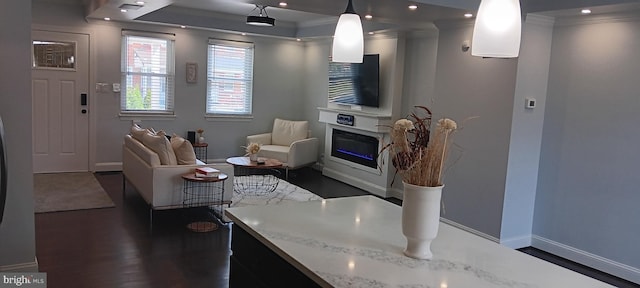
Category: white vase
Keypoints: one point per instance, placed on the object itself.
(253, 157)
(420, 219)
(201, 139)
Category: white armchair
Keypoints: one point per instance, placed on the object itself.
(289, 142)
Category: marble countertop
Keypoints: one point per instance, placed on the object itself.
(358, 242)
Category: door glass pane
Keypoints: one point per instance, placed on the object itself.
(54, 54)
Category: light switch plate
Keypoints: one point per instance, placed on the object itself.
(116, 87)
(102, 87)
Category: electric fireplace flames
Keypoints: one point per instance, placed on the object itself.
(353, 147)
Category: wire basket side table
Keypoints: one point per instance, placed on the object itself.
(200, 195)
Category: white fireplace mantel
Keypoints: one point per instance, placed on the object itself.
(375, 181)
(362, 120)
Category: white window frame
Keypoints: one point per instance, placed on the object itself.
(246, 82)
(169, 76)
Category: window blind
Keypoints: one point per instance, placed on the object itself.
(148, 73)
(229, 77)
(341, 81)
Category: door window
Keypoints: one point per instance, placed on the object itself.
(54, 54)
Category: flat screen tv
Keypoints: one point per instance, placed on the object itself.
(355, 83)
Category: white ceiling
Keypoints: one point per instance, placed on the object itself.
(301, 11)
(311, 18)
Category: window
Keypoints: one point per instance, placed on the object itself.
(229, 78)
(147, 73)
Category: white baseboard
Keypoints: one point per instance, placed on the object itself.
(594, 261)
(470, 230)
(21, 267)
(396, 193)
(585, 258)
(517, 242)
(108, 166)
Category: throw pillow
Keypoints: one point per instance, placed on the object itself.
(161, 145)
(137, 132)
(183, 150)
(286, 132)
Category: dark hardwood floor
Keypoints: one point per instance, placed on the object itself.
(114, 247)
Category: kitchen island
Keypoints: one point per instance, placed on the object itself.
(358, 242)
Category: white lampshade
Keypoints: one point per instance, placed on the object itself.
(496, 32)
(348, 40)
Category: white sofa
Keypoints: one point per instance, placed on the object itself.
(161, 186)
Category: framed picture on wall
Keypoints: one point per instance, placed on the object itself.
(192, 72)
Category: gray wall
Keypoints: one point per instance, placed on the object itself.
(419, 79)
(316, 67)
(419, 70)
(17, 235)
(526, 132)
(468, 86)
(278, 88)
(587, 194)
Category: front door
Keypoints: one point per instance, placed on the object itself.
(60, 87)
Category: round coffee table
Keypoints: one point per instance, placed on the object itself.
(255, 177)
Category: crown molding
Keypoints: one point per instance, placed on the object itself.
(630, 16)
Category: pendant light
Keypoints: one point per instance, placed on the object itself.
(497, 29)
(348, 40)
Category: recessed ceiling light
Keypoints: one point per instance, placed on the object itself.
(298, 39)
(586, 11)
(468, 15)
(123, 10)
(413, 7)
(244, 34)
(140, 2)
(368, 16)
(107, 19)
(182, 26)
(283, 4)
(371, 33)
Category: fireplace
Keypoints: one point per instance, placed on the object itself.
(351, 149)
(357, 148)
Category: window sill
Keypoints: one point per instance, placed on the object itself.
(146, 116)
(228, 117)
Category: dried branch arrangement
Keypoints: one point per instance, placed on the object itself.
(253, 148)
(415, 156)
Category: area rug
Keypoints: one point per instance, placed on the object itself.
(68, 191)
(285, 193)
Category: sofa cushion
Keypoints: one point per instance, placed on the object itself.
(286, 132)
(275, 151)
(145, 153)
(137, 132)
(183, 150)
(161, 145)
